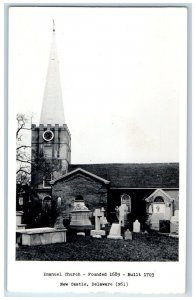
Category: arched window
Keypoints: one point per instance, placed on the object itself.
(78, 198)
(159, 206)
(46, 203)
(126, 199)
(159, 199)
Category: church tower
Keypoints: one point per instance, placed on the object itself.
(51, 140)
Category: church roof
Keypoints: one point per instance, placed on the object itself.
(149, 175)
(157, 193)
(52, 105)
(79, 170)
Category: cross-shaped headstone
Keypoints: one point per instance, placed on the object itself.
(97, 214)
(103, 220)
(103, 210)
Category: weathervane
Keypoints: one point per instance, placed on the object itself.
(53, 26)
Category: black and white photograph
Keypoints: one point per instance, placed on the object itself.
(97, 106)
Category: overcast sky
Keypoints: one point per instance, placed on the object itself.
(123, 77)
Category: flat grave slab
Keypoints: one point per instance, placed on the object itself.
(41, 236)
(97, 232)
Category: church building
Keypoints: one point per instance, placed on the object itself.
(148, 189)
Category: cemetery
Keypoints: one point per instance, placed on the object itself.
(98, 240)
(142, 247)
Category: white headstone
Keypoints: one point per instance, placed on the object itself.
(167, 213)
(115, 232)
(136, 226)
(174, 223)
(103, 219)
(98, 215)
(128, 235)
(19, 224)
(123, 210)
(97, 236)
(81, 233)
(155, 218)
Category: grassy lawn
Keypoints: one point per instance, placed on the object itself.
(143, 247)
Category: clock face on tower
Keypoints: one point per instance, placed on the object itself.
(48, 135)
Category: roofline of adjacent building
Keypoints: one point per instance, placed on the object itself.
(144, 188)
(142, 163)
(82, 171)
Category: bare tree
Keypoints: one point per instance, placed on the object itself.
(23, 156)
(33, 212)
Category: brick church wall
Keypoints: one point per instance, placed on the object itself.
(93, 192)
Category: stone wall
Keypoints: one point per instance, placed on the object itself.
(93, 191)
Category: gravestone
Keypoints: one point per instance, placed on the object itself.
(103, 219)
(81, 233)
(19, 224)
(97, 236)
(155, 220)
(41, 236)
(136, 226)
(123, 210)
(168, 213)
(59, 221)
(80, 215)
(97, 231)
(174, 223)
(164, 226)
(115, 232)
(128, 235)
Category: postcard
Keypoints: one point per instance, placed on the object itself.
(97, 150)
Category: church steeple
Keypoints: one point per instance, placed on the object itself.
(51, 139)
(52, 107)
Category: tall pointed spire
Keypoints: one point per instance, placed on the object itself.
(52, 106)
